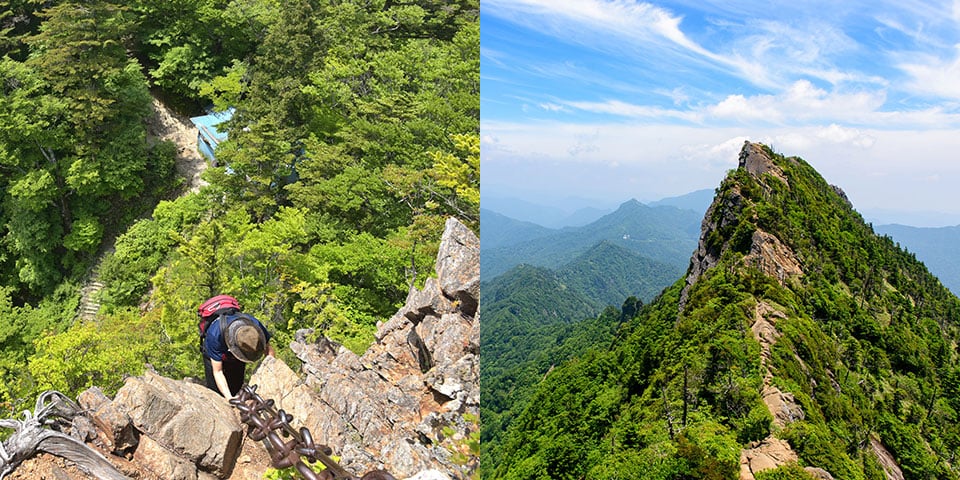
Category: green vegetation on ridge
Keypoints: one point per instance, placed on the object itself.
(867, 346)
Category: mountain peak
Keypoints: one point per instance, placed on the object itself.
(757, 159)
(732, 221)
(631, 204)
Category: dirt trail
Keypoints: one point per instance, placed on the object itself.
(164, 124)
(169, 125)
(771, 452)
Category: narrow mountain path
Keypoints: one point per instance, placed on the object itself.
(90, 296)
(771, 452)
(164, 124)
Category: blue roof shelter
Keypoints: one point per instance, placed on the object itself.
(208, 135)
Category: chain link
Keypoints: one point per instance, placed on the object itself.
(269, 425)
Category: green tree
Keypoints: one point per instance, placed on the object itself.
(73, 138)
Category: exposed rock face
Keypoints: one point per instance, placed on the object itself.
(458, 266)
(389, 407)
(890, 468)
(722, 212)
(756, 162)
(116, 429)
(818, 473)
(189, 420)
(767, 252)
(767, 455)
(772, 257)
(842, 194)
(782, 406)
(399, 407)
(163, 462)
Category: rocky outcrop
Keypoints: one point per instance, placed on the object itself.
(771, 452)
(782, 405)
(766, 252)
(115, 430)
(723, 212)
(406, 404)
(755, 160)
(890, 468)
(818, 473)
(769, 255)
(766, 455)
(178, 421)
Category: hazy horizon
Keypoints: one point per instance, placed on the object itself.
(572, 204)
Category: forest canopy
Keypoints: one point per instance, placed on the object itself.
(355, 134)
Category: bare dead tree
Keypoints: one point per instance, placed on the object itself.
(43, 431)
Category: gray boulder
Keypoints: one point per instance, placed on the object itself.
(187, 419)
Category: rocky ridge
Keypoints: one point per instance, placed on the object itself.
(406, 404)
(773, 257)
(409, 405)
(766, 251)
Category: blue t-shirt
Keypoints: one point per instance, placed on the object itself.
(215, 346)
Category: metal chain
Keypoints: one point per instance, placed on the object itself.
(267, 424)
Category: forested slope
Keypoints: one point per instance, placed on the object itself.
(499, 230)
(609, 273)
(935, 247)
(356, 133)
(535, 318)
(800, 343)
(532, 321)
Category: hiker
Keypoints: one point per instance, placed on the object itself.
(229, 340)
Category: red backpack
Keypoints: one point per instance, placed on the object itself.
(213, 308)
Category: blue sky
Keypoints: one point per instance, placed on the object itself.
(619, 99)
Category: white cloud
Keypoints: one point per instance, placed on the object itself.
(836, 134)
(553, 107)
(678, 95)
(620, 27)
(934, 76)
(575, 18)
(495, 56)
(654, 161)
(801, 104)
(717, 156)
(624, 109)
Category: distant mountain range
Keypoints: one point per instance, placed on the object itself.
(577, 212)
(663, 234)
(599, 274)
(498, 230)
(698, 201)
(574, 212)
(934, 246)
